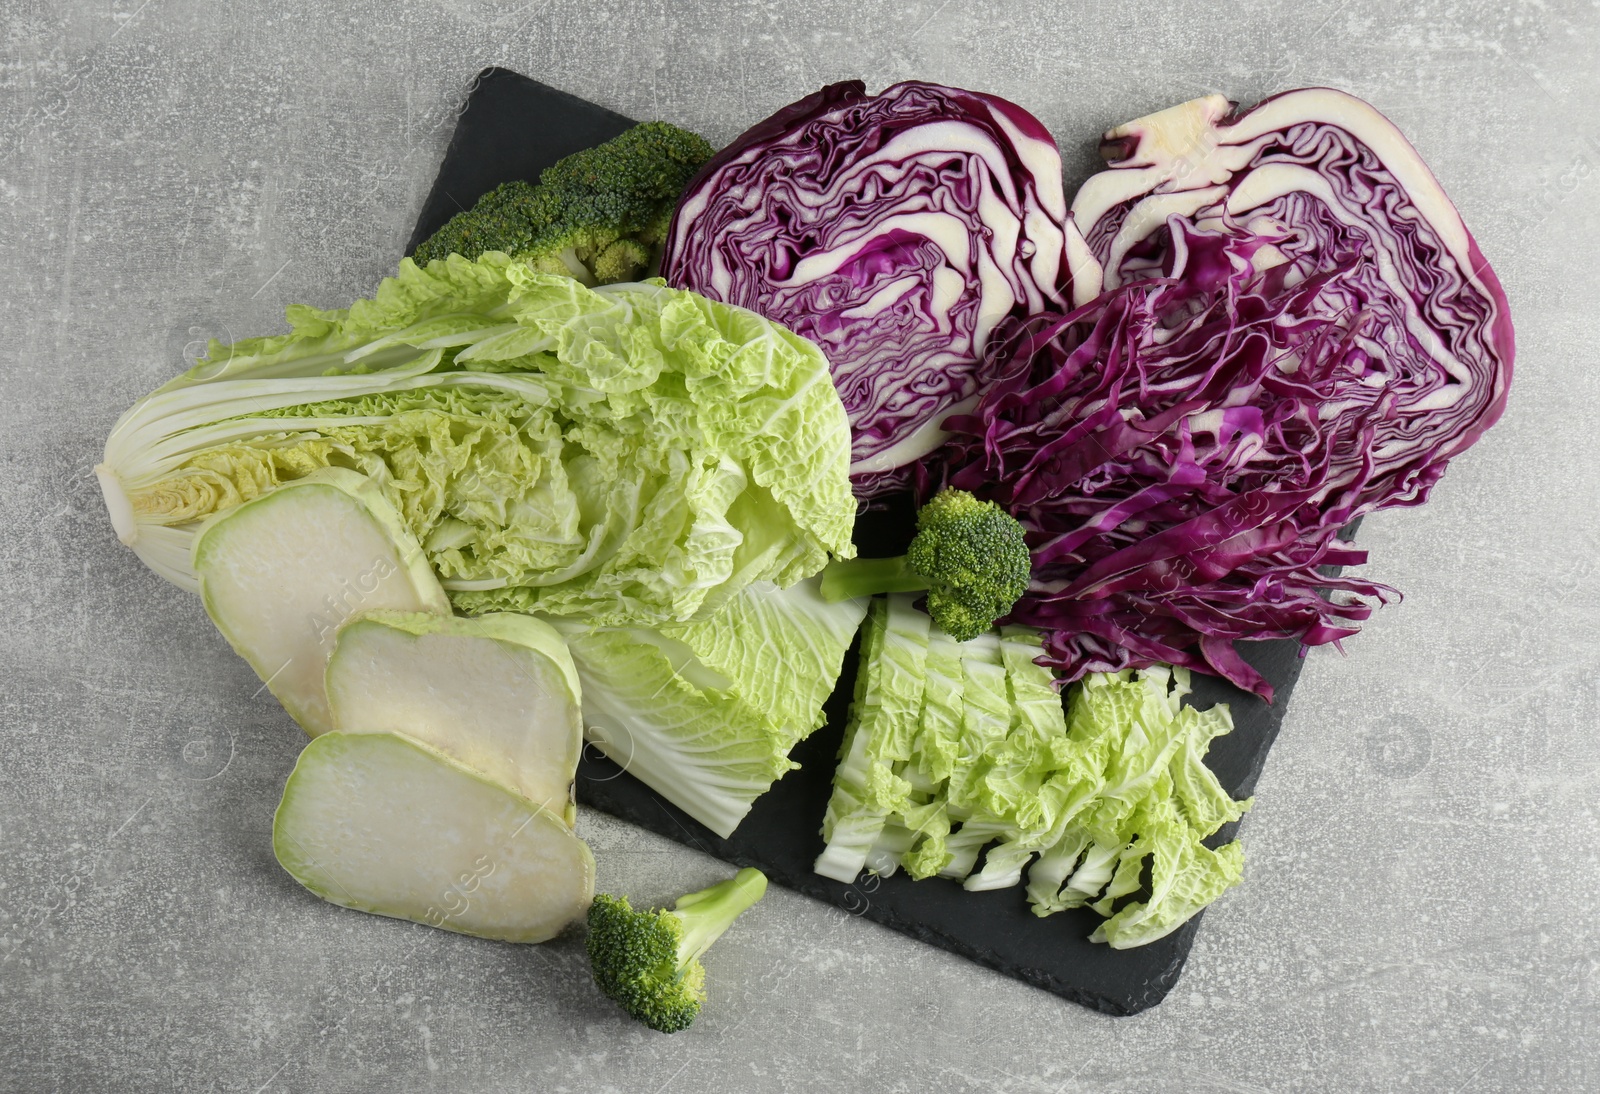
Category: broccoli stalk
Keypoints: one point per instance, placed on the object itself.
(596, 215)
(650, 961)
(969, 555)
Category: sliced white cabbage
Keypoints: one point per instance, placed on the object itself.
(385, 824)
(498, 693)
(279, 574)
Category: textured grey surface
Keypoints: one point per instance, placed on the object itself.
(1422, 885)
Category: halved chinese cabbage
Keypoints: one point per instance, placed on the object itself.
(631, 455)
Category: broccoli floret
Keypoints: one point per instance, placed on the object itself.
(596, 215)
(650, 961)
(969, 555)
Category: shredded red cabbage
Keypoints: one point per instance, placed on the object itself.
(1296, 330)
(895, 231)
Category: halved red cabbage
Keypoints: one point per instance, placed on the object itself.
(895, 231)
(1296, 329)
(1341, 184)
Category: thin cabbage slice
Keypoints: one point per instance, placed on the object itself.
(497, 693)
(382, 823)
(280, 574)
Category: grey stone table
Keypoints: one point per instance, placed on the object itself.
(1422, 890)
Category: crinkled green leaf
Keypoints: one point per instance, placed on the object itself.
(697, 744)
(783, 648)
(707, 713)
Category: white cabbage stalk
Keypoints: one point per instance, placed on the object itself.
(141, 474)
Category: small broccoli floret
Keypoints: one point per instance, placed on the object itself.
(969, 555)
(596, 215)
(650, 961)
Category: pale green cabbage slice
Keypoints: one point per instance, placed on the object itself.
(497, 693)
(383, 823)
(280, 574)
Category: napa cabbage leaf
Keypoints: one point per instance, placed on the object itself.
(632, 454)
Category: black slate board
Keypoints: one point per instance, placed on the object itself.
(513, 128)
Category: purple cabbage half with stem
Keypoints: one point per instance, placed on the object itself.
(1283, 324)
(896, 231)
